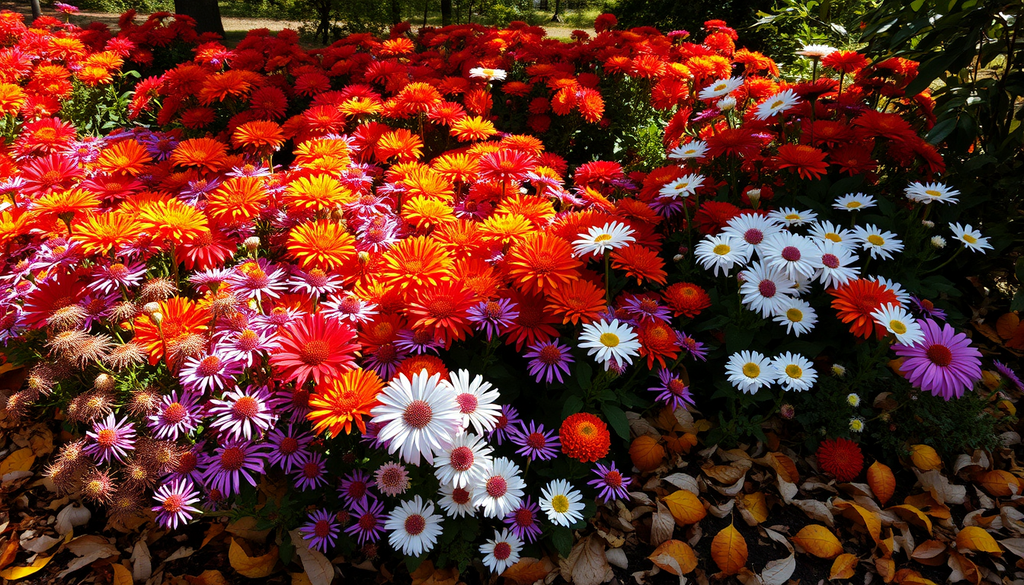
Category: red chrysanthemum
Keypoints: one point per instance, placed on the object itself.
(807, 161)
(315, 348)
(417, 363)
(542, 262)
(856, 300)
(686, 298)
(584, 437)
(840, 457)
(444, 310)
(658, 342)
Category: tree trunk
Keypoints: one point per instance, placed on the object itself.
(544, 5)
(446, 12)
(36, 10)
(205, 12)
(396, 11)
(426, 5)
(557, 16)
(469, 13)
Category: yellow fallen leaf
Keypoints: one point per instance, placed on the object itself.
(914, 516)
(252, 567)
(729, 550)
(207, 577)
(756, 505)
(843, 567)
(997, 482)
(674, 556)
(862, 516)
(20, 460)
(882, 481)
(925, 458)
(122, 576)
(14, 573)
(977, 539)
(818, 541)
(685, 507)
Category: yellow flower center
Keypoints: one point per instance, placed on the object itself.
(722, 249)
(933, 193)
(876, 240)
(777, 104)
(602, 238)
(560, 504)
(795, 315)
(609, 339)
(852, 204)
(970, 239)
(834, 237)
(792, 216)
(751, 370)
(794, 371)
(897, 327)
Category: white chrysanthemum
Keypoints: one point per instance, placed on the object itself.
(854, 202)
(794, 372)
(720, 88)
(488, 74)
(610, 341)
(725, 104)
(419, 416)
(878, 242)
(826, 230)
(501, 552)
(749, 371)
(791, 253)
(752, 229)
(597, 240)
(777, 104)
(838, 264)
(897, 289)
(464, 461)
(816, 51)
(971, 237)
(792, 217)
(694, 149)
(414, 527)
(802, 285)
(938, 242)
(682, 187)
(900, 323)
(456, 501)
(476, 399)
(797, 315)
(929, 192)
(764, 289)
(500, 489)
(720, 253)
(562, 503)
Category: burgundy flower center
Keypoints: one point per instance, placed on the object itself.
(248, 340)
(209, 366)
(418, 414)
(245, 407)
(415, 524)
(536, 441)
(676, 386)
(767, 288)
(502, 422)
(492, 310)
(117, 270)
(460, 496)
(830, 260)
(422, 337)
(791, 253)
(232, 458)
(356, 490)
(940, 355)
(386, 354)
(322, 528)
(391, 478)
(106, 438)
(300, 398)
(187, 463)
(311, 470)
(173, 503)
(613, 479)
(462, 458)
(349, 305)
(550, 355)
(497, 486)
(315, 352)
(174, 413)
(524, 517)
(502, 551)
(288, 446)
(367, 522)
(467, 402)
(753, 236)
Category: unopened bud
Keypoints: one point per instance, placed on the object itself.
(104, 382)
(150, 308)
(787, 411)
(252, 243)
(754, 195)
(678, 258)
(157, 317)
(364, 257)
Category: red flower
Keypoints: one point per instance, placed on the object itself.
(809, 162)
(315, 348)
(713, 216)
(845, 61)
(840, 457)
(685, 298)
(856, 300)
(584, 437)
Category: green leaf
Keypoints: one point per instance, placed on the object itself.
(1017, 304)
(572, 405)
(1019, 270)
(584, 373)
(562, 539)
(617, 420)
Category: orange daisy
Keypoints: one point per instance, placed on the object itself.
(340, 401)
(317, 193)
(237, 200)
(321, 244)
(205, 154)
(856, 300)
(473, 128)
(172, 220)
(259, 136)
(541, 262)
(658, 341)
(640, 262)
(65, 204)
(576, 302)
(416, 261)
(444, 310)
(126, 157)
(180, 319)
(101, 233)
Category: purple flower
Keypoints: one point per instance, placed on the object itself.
(111, 438)
(643, 308)
(198, 188)
(1009, 374)
(243, 413)
(176, 416)
(349, 306)
(506, 421)
(310, 475)
(231, 461)
(65, 8)
(111, 278)
(692, 346)
(490, 316)
(523, 520)
(245, 347)
(369, 521)
(418, 342)
(944, 364)
(610, 483)
(314, 283)
(550, 359)
(97, 306)
(384, 359)
(673, 391)
(534, 442)
(289, 448)
(926, 308)
(258, 279)
(175, 499)
(322, 530)
(208, 373)
(355, 488)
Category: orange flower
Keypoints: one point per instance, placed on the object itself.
(505, 229)
(206, 154)
(457, 167)
(180, 319)
(427, 182)
(415, 261)
(479, 277)
(424, 212)
(317, 193)
(11, 98)
(259, 136)
(172, 220)
(340, 401)
(100, 233)
(318, 148)
(417, 363)
(417, 97)
(658, 341)
(856, 300)
(640, 262)
(237, 200)
(127, 157)
(685, 298)
(321, 244)
(400, 144)
(65, 204)
(542, 262)
(585, 437)
(460, 238)
(443, 309)
(577, 301)
(472, 128)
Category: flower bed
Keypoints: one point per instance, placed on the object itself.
(460, 289)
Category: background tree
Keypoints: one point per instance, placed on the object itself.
(205, 12)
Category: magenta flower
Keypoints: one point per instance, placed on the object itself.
(391, 479)
(944, 363)
(491, 316)
(523, 520)
(245, 347)
(310, 475)
(110, 438)
(209, 373)
(1006, 372)
(349, 306)
(609, 482)
(369, 521)
(355, 488)
(258, 279)
(927, 308)
(314, 283)
(692, 346)
(506, 422)
(644, 308)
(111, 278)
(232, 461)
(418, 342)
(550, 359)
(65, 8)
(176, 416)
(321, 531)
(175, 499)
(534, 442)
(288, 448)
(673, 391)
(243, 413)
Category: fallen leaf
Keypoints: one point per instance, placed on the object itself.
(783, 466)
(207, 577)
(587, 564)
(963, 568)
(778, 571)
(212, 532)
(977, 539)
(1006, 325)
(71, 516)
(40, 544)
(88, 549)
(662, 525)
(886, 569)
(142, 561)
(925, 458)
(929, 552)
(252, 567)
(754, 504)
(998, 483)
(685, 507)
(844, 567)
(882, 481)
(316, 566)
(529, 570)
(818, 541)
(15, 573)
(674, 556)
(10, 552)
(913, 516)
(862, 516)
(646, 453)
(729, 550)
(122, 576)
(245, 527)
(20, 460)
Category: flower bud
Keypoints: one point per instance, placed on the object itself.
(938, 242)
(787, 411)
(150, 308)
(252, 243)
(157, 317)
(104, 382)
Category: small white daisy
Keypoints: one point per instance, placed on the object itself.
(797, 315)
(749, 371)
(838, 264)
(562, 503)
(476, 400)
(853, 399)
(753, 229)
(725, 104)
(488, 74)
(682, 187)
(414, 527)
(801, 285)
(597, 240)
(791, 253)
(854, 202)
(971, 237)
(501, 552)
(929, 192)
(776, 104)
(456, 501)
(720, 88)
(419, 416)
(720, 253)
(857, 424)
(794, 372)
(816, 51)
(764, 289)
(500, 489)
(694, 149)
(792, 217)
(826, 230)
(938, 242)
(607, 342)
(900, 323)
(878, 242)
(464, 461)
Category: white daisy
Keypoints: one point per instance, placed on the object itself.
(794, 372)
(725, 104)
(464, 461)
(488, 74)
(938, 242)
(878, 242)
(414, 527)
(897, 289)
(682, 187)
(694, 149)
(500, 489)
(501, 552)
(854, 202)
(610, 341)
(600, 239)
(476, 400)
(791, 253)
(801, 285)
(797, 315)
(749, 371)
(857, 424)
(456, 501)
(764, 289)
(562, 503)
(929, 192)
(971, 237)
(838, 264)
(900, 323)
(722, 87)
(826, 230)
(419, 416)
(792, 217)
(776, 104)
(720, 253)
(816, 51)
(753, 229)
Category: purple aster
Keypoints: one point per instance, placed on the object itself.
(117, 276)
(188, 464)
(321, 531)
(211, 278)
(208, 373)
(548, 360)
(418, 342)
(369, 521)
(11, 321)
(534, 442)
(506, 422)
(175, 416)
(350, 307)
(314, 283)
(523, 520)
(288, 448)
(643, 308)
(355, 488)
(610, 483)
(926, 308)
(1009, 374)
(258, 279)
(243, 413)
(673, 391)
(310, 475)
(377, 234)
(491, 316)
(175, 501)
(231, 461)
(667, 206)
(111, 438)
(272, 324)
(944, 363)
(98, 306)
(245, 347)
(199, 188)
(385, 359)
(159, 145)
(249, 171)
(692, 346)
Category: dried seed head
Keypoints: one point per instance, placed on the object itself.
(224, 304)
(98, 485)
(18, 403)
(124, 503)
(63, 476)
(158, 457)
(66, 342)
(252, 243)
(136, 475)
(91, 405)
(123, 356)
(150, 307)
(93, 349)
(157, 317)
(189, 346)
(69, 317)
(104, 383)
(144, 402)
(125, 311)
(157, 289)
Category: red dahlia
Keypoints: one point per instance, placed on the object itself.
(585, 437)
(840, 457)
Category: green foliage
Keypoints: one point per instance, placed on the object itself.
(98, 110)
(790, 24)
(118, 6)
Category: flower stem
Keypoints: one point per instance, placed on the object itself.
(607, 278)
